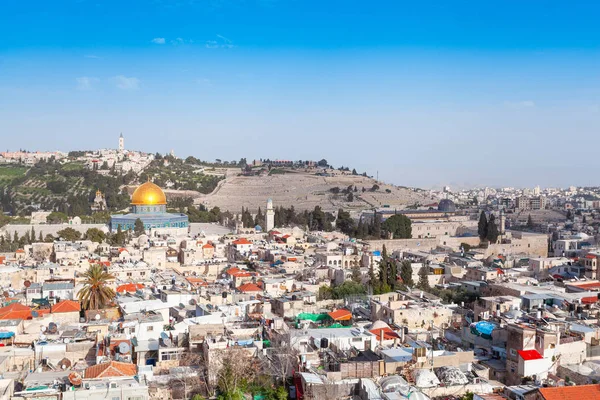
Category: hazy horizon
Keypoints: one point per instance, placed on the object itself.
(428, 95)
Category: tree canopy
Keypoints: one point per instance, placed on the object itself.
(96, 294)
(95, 235)
(69, 234)
(399, 226)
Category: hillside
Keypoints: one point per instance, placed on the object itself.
(305, 190)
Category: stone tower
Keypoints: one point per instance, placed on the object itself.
(121, 142)
(269, 216)
(502, 222)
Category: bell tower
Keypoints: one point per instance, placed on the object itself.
(121, 142)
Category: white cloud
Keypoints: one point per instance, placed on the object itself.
(85, 82)
(126, 83)
(159, 40)
(520, 104)
(222, 43)
(177, 41)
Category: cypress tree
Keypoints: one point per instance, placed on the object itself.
(377, 226)
(482, 226)
(493, 233)
(529, 222)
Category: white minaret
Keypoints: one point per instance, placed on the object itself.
(270, 216)
(121, 143)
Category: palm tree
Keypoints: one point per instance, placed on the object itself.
(96, 294)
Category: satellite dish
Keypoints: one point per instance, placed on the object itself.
(97, 317)
(75, 378)
(34, 314)
(64, 363)
(123, 347)
(163, 335)
(52, 327)
(5, 294)
(27, 284)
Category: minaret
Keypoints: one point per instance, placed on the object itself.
(502, 222)
(121, 143)
(270, 216)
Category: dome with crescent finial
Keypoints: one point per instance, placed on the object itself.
(148, 194)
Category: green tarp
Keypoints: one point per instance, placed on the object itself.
(312, 317)
(41, 302)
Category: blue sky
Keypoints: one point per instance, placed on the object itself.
(427, 93)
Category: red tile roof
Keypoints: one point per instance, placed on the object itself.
(589, 300)
(589, 285)
(249, 287)
(388, 333)
(208, 246)
(587, 392)
(66, 306)
(238, 273)
(129, 288)
(109, 370)
(340, 315)
(241, 241)
(529, 355)
(15, 311)
(196, 281)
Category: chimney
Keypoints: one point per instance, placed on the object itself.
(381, 336)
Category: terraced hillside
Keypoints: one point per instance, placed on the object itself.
(66, 187)
(304, 191)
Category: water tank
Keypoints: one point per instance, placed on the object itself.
(324, 343)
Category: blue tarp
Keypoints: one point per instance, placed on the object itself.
(483, 329)
(6, 335)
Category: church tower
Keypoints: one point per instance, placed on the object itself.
(270, 216)
(121, 143)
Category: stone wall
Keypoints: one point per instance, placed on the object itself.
(402, 244)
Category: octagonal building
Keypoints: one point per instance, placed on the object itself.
(149, 204)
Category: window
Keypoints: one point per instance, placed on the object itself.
(356, 339)
(513, 352)
(169, 355)
(149, 328)
(129, 274)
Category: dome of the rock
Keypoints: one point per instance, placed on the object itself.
(148, 194)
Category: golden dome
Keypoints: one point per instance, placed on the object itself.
(148, 194)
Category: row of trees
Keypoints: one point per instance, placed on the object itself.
(10, 243)
(397, 226)
(316, 220)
